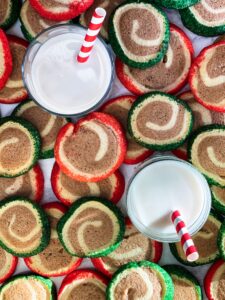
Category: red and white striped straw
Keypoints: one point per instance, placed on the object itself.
(186, 240)
(91, 35)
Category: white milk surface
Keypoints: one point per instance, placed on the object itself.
(162, 187)
(61, 84)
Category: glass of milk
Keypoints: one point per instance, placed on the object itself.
(57, 82)
(164, 184)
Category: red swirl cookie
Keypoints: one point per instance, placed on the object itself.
(169, 75)
(92, 149)
(119, 108)
(8, 264)
(134, 247)
(68, 190)
(14, 90)
(5, 59)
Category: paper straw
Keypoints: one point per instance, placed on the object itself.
(186, 240)
(91, 35)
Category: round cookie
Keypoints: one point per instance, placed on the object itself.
(14, 90)
(186, 286)
(168, 76)
(53, 261)
(177, 4)
(8, 264)
(9, 12)
(206, 80)
(83, 284)
(218, 198)
(68, 190)
(24, 227)
(119, 108)
(221, 241)
(108, 5)
(29, 185)
(32, 23)
(140, 280)
(134, 247)
(92, 227)
(206, 18)
(202, 116)
(29, 287)
(206, 151)
(5, 59)
(208, 235)
(60, 10)
(19, 146)
(92, 149)
(47, 124)
(159, 121)
(148, 38)
(214, 281)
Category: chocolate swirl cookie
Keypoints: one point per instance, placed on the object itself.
(169, 75)
(29, 185)
(54, 260)
(5, 59)
(207, 79)
(24, 227)
(19, 146)
(68, 190)
(32, 23)
(60, 10)
(108, 5)
(218, 198)
(29, 287)
(119, 108)
(8, 264)
(47, 124)
(206, 18)
(206, 150)
(208, 235)
(9, 12)
(134, 247)
(92, 227)
(139, 33)
(83, 284)
(159, 121)
(14, 90)
(92, 149)
(214, 281)
(141, 280)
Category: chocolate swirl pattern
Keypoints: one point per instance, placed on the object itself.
(4, 8)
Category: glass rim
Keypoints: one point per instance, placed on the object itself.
(35, 41)
(173, 237)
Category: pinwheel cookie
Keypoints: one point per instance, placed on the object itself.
(134, 247)
(29, 185)
(29, 287)
(69, 190)
(92, 149)
(207, 80)
(47, 124)
(214, 281)
(186, 286)
(108, 5)
(53, 261)
(177, 4)
(92, 227)
(207, 235)
(218, 198)
(14, 90)
(8, 264)
(60, 10)
(5, 59)
(159, 121)
(83, 284)
(206, 18)
(9, 12)
(19, 146)
(169, 75)
(119, 108)
(32, 23)
(148, 38)
(206, 150)
(144, 280)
